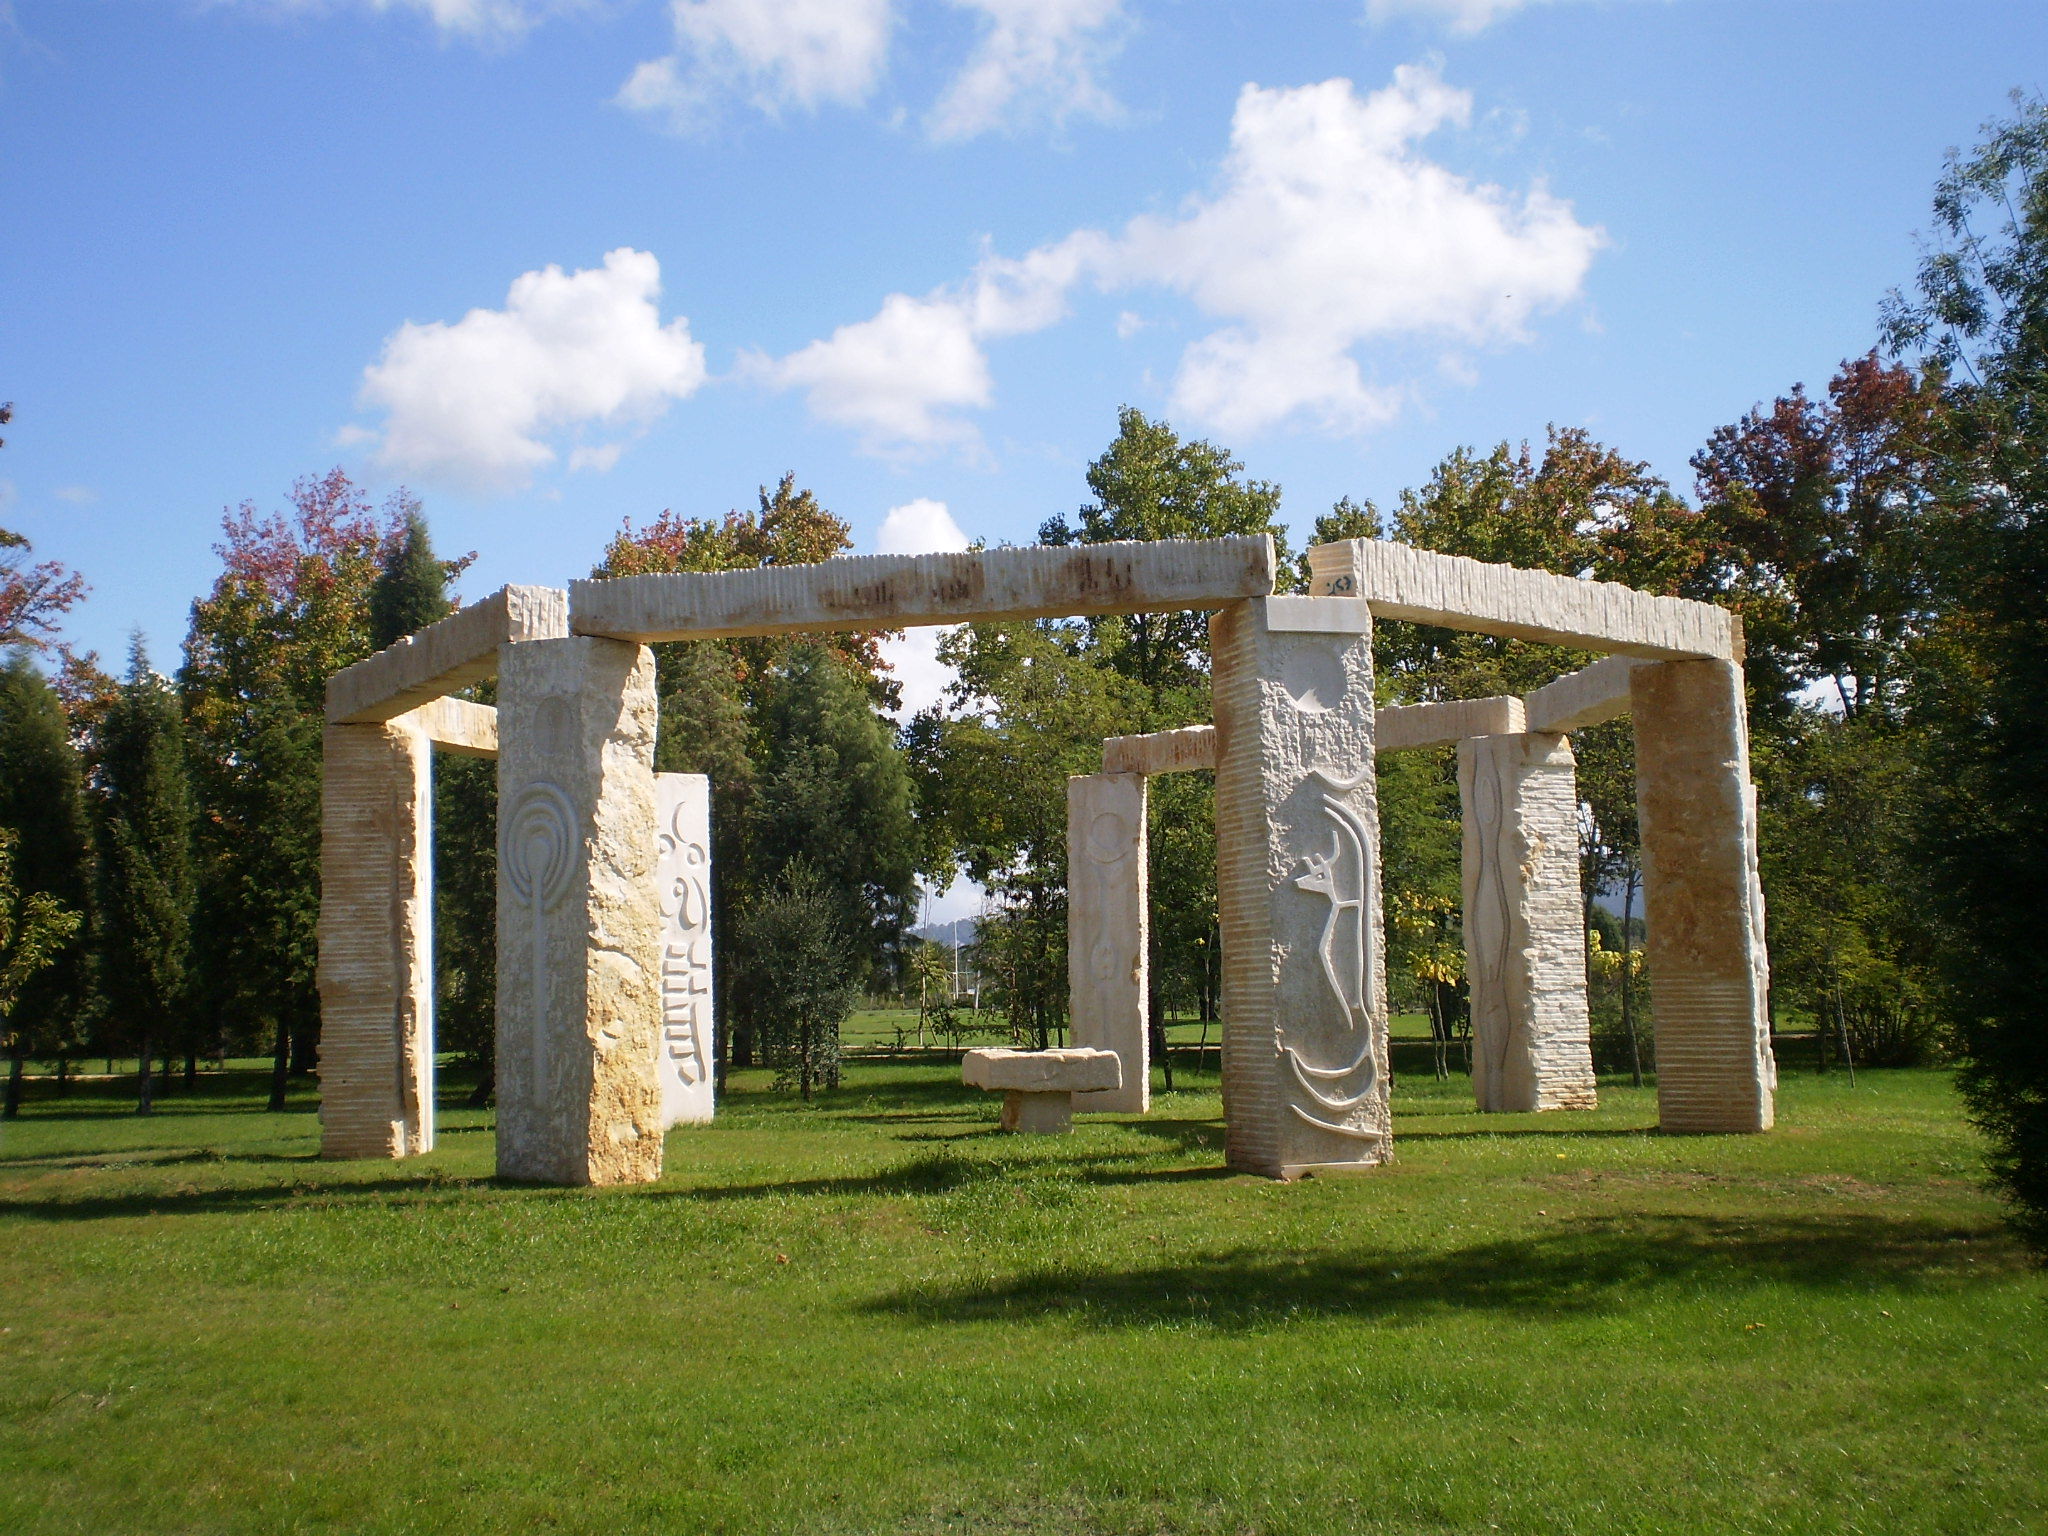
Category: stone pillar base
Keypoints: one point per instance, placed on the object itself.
(1038, 1114)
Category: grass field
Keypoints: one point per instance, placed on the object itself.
(876, 1315)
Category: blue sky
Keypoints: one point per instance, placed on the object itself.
(557, 264)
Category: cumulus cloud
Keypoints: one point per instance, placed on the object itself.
(918, 527)
(1037, 60)
(472, 403)
(476, 20)
(774, 54)
(1463, 18)
(1327, 231)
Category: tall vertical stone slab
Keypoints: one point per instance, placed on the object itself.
(1106, 931)
(376, 967)
(1297, 880)
(579, 915)
(1525, 942)
(1702, 900)
(682, 870)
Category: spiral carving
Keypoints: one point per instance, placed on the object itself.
(539, 845)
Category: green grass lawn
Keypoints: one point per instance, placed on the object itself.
(875, 1314)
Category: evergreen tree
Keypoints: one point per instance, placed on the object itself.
(801, 985)
(147, 883)
(411, 589)
(34, 928)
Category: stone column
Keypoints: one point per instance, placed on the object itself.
(1297, 883)
(1525, 939)
(683, 881)
(1702, 901)
(376, 968)
(579, 917)
(1106, 931)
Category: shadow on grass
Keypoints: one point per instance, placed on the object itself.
(200, 1202)
(1597, 1265)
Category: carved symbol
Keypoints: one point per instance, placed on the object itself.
(1313, 679)
(537, 849)
(685, 867)
(1344, 877)
(1109, 838)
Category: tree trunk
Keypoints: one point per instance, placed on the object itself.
(1155, 1017)
(1628, 1014)
(144, 1077)
(63, 1077)
(191, 1068)
(486, 1088)
(12, 1108)
(1842, 1033)
(280, 1066)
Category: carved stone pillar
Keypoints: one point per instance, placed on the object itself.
(683, 878)
(1525, 940)
(579, 917)
(1106, 931)
(1297, 881)
(1702, 901)
(376, 968)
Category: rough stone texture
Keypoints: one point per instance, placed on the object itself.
(1107, 964)
(1297, 876)
(1586, 697)
(683, 878)
(376, 967)
(461, 649)
(1400, 582)
(1702, 901)
(457, 726)
(1038, 1114)
(579, 917)
(1077, 1070)
(1407, 727)
(1525, 941)
(1182, 751)
(894, 591)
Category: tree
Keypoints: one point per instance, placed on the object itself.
(1981, 316)
(147, 886)
(34, 928)
(803, 997)
(32, 597)
(411, 589)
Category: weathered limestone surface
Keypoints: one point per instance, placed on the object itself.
(1182, 751)
(1297, 875)
(683, 877)
(1040, 1089)
(1406, 727)
(458, 726)
(1401, 582)
(579, 916)
(895, 591)
(1107, 964)
(460, 650)
(1525, 943)
(1702, 900)
(1586, 697)
(376, 967)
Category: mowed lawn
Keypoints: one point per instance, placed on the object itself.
(875, 1314)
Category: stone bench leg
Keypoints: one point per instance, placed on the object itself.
(1038, 1114)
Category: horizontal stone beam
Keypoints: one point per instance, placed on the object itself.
(1181, 751)
(1400, 582)
(1407, 727)
(461, 649)
(458, 726)
(902, 591)
(1582, 698)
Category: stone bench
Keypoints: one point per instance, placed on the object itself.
(1038, 1087)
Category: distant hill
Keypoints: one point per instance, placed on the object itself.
(958, 932)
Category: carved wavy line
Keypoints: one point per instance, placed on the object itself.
(1355, 1132)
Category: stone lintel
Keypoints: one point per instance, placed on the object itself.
(461, 649)
(457, 726)
(1401, 582)
(1586, 697)
(1182, 751)
(1407, 727)
(1074, 1070)
(899, 591)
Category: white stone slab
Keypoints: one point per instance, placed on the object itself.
(1400, 582)
(1107, 964)
(1409, 727)
(683, 876)
(1182, 751)
(457, 725)
(376, 967)
(461, 649)
(898, 591)
(1075, 1070)
(1297, 874)
(1703, 903)
(1589, 696)
(579, 917)
(1525, 939)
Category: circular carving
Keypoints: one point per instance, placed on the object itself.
(1109, 837)
(538, 845)
(1313, 678)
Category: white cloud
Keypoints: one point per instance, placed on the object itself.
(775, 54)
(1464, 18)
(470, 403)
(1037, 60)
(76, 495)
(477, 20)
(892, 378)
(919, 527)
